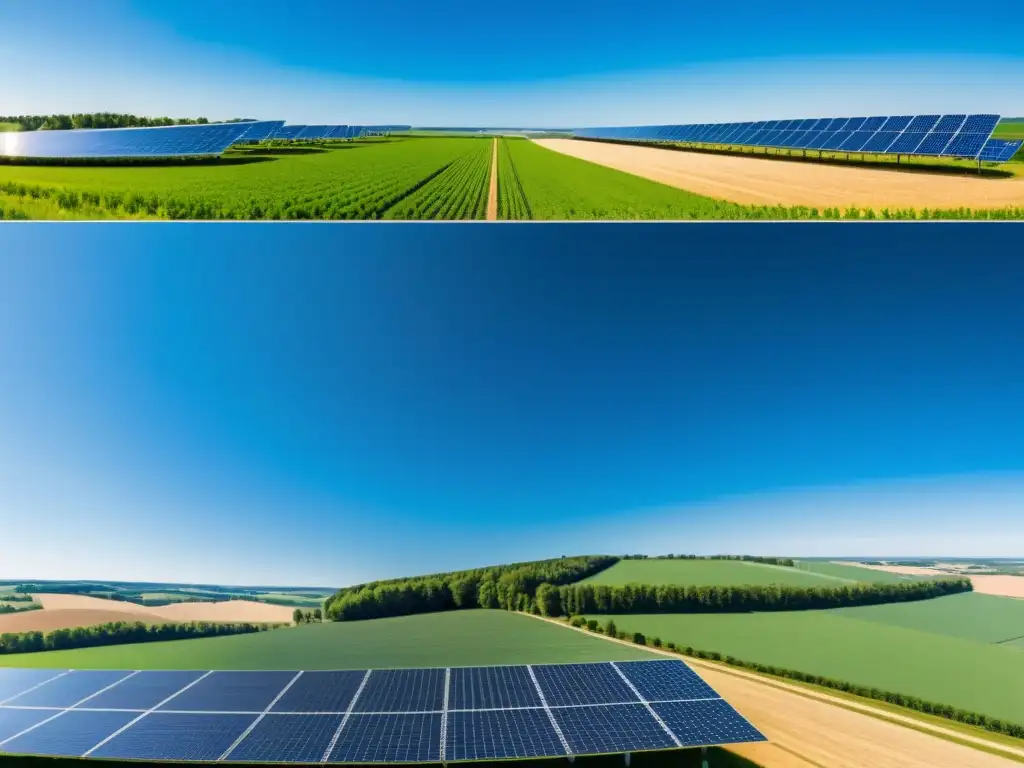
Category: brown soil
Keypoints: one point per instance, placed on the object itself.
(61, 611)
(46, 620)
(1007, 586)
(1004, 585)
(492, 196)
(761, 181)
(809, 729)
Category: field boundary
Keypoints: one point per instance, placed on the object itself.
(492, 192)
(949, 734)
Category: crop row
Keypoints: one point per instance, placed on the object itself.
(512, 202)
(459, 192)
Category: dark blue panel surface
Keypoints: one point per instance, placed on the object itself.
(923, 123)
(231, 692)
(855, 142)
(966, 145)
(618, 728)
(574, 684)
(1000, 150)
(142, 691)
(68, 690)
(807, 139)
(501, 734)
(698, 723)
(880, 141)
(402, 690)
(906, 144)
(14, 721)
(71, 734)
(837, 139)
(321, 692)
(665, 680)
(949, 123)
(873, 123)
(409, 738)
(897, 123)
(980, 123)
(288, 739)
(933, 143)
(169, 736)
(14, 682)
(492, 688)
(181, 140)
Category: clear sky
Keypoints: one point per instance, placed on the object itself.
(318, 405)
(471, 63)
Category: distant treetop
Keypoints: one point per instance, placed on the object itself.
(101, 120)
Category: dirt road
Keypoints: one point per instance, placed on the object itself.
(492, 196)
(806, 729)
(762, 181)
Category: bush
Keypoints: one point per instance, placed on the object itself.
(656, 642)
(610, 629)
(592, 625)
(638, 638)
(579, 621)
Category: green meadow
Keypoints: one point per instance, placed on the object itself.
(726, 573)
(457, 638)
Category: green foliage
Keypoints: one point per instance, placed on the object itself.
(459, 191)
(592, 625)
(512, 202)
(579, 621)
(717, 572)
(638, 638)
(511, 587)
(117, 633)
(548, 601)
(95, 120)
(667, 598)
(610, 629)
(784, 561)
(18, 608)
(656, 642)
(297, 616)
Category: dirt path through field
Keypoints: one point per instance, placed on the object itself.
(492, 196)
(807, 729)
(762, 181)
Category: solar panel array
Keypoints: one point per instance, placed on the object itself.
(1000, 150)
(962, 136)
(316, 132)
(371, 716)
(163, 141)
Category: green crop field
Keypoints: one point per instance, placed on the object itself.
(458, 638)
(559, 187)
(726, 573)
(851, 573)
(357, 180)
(7, 127)
(976, 676)
(971, 616)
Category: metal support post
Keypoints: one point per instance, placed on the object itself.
(703, 757)
(626, 758)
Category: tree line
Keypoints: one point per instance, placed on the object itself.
(307, 617)
(744, 558)
(646, 598)
(19, 608)
(511, 587)
(967, 717)
(119, 633)
(102, 120)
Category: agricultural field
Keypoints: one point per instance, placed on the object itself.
(850, 573)
(397, 178)
(898, 651)
(726, 573)
(458, 638)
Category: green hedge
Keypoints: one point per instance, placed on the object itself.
(902, 700)
(119, 633)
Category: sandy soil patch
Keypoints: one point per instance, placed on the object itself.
(777, 182)
(492, 194)
(1005, 585)
(46, 620)
(806, 729)
(904, 570)
(61, 611)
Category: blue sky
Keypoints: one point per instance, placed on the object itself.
(320, 405)
(468, 63)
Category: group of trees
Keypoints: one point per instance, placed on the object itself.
(646, 598)
(307, 617)
(4, 608)
(95, 120)
(119, 633)
(512, 587)
(911, 702)
(745, 558)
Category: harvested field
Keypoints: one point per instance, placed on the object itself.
(64, 611)
(774, 181)
(46, 621)
(1004, 585)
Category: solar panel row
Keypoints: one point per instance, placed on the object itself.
(311, 132)
(961, 135)
(1000, 150)
(164, 141)
(413, 715)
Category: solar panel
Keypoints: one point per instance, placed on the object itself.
(406, 715)
(409, 738)
(71, 732)
(1000, 150)
(501, 734)
(164, 141)
(165, 736)
(231, 692)
(258, 131)
(287, 739)
(68, 690)
(17, 681)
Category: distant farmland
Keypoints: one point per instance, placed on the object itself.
(726, 573)
(459, 638)
(913, 649)
(851, 572)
